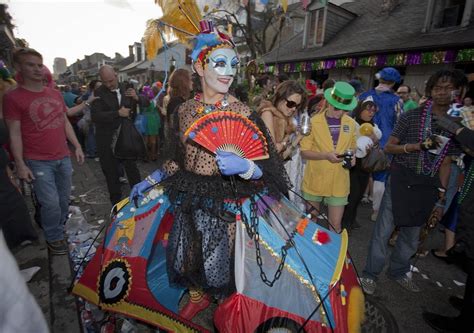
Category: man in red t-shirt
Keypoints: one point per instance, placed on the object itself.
(39, 130)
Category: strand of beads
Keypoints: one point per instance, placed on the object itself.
(208, 108)
(427, 166)
(468, 180)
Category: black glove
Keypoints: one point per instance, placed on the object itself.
(430, 143)
(447, 123)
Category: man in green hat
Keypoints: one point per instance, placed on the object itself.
(329, 152)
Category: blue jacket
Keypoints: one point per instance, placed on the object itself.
(388, 105)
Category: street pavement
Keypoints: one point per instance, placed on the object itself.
(50, 284)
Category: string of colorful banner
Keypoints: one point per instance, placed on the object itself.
(397, 59)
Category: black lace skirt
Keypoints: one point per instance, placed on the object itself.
(200, 251)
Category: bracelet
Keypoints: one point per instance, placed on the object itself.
(441, 189)
(439, 205)
(405, 148)
(247, 175)
(87, 104)
(151, 180)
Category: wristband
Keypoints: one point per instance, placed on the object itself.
(247, 175)
(151, 180)
(87, 104)
(405, 148)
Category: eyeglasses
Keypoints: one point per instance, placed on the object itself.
(371, 108)
(291, 104)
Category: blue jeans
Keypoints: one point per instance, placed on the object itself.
(91, 147)
(405, 248)
(452, 185)
(52, 186)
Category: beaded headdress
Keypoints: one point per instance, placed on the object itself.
(183, 20)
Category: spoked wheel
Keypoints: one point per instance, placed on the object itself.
(279, 325)
(378, 319)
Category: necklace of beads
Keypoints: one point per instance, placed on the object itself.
(426, 165)
(468, 181)
(208, 108)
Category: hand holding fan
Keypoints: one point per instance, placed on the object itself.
(229, 131)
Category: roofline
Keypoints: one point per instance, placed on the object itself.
(342, 8)
(385, 51)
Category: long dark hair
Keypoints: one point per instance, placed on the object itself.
(180, 83)
(361, 105)
(288, 88)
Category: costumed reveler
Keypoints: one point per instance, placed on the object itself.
(201, 242)
(216, 223)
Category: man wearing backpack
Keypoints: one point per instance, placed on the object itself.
(389, 106)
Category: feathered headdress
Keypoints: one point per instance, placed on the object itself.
(183, 19)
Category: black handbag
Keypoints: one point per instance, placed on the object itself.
(376, 160)
(127, 142)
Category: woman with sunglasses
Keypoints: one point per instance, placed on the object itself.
(326, 150)
(279, 115)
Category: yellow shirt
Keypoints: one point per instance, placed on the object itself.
(321, 177)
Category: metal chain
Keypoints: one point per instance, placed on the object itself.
(252, 231)
(256, 238)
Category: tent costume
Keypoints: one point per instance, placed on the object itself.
(202, 231)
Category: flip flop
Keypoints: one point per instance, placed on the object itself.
(444, 258)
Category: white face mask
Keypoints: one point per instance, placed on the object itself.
(221, 69)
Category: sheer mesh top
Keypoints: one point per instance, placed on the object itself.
(197, 159)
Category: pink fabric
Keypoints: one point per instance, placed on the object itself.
(42, 122)
(48, 77)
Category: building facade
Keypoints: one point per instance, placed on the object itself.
(356, 39)
(59, 66)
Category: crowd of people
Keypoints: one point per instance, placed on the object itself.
(407, 157)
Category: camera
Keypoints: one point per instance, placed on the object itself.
(347, 156)
(128, 101)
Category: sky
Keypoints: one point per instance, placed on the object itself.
(72, 29)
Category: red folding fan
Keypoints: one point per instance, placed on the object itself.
(229, 131)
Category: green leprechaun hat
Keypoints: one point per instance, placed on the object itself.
(341, 96)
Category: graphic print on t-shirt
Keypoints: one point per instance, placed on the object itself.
(46, 113)
(334, 125)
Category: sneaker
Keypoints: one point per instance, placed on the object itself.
(368, 285)
(123, 180)
(408, 283)
(58, 247)
(366, 200)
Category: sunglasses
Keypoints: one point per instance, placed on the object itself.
(291, 104)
